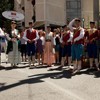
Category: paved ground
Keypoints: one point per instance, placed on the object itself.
(23, 83)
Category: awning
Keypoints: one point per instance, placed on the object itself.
(38, 24)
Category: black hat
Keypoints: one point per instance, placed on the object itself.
(99, 28)
(48, 26)
(64, 26)
(13, 22)
(30, 22)
(92, 22)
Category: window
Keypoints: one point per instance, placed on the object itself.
(73, 4)
(73, 8)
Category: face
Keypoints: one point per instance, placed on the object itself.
(92, 25)
(48, 29)
(65, 29)
(30, 25)
(13, 25)
(77, 24)
(40, 33)
(58, 30)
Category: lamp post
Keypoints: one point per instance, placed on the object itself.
(83, 20)
(99, 19)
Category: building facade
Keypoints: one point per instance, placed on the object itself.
(58, 12)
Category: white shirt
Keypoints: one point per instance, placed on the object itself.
(43, 40)
(15, 32)
(71, 37)
(49, 36)
(1, 32)
(82, 32)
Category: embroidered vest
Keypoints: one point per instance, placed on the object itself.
(31, 35)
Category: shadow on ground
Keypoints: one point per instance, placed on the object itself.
(33, 79)
(37, 79)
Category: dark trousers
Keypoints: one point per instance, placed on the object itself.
(31, 49)
(92, 50)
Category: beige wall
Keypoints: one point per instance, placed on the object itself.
(28, 12)
(17, 6)
(99, 5)
(39, 7)
(87, 11)
(51, 11)
(54, 11)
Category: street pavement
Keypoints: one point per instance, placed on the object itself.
(22, 83)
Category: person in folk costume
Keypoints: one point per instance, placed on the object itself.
(31, 35)
(68, 41)
(40, 46)
(13, 47)
(4, 44)
(23, 46)
(99, 44)
(4, 41)
(1, 35)
(91, 38)
(49, 54)
(77, 43)
(57, 46)
(63, 47)
(66, 46)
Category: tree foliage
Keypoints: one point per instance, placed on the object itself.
(4, 6)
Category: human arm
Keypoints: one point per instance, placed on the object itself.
(25, 37)
(71, 25)
(71, 37)
(80, 36)
(37, 36)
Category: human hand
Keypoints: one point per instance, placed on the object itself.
(33, 40)
(29, 41)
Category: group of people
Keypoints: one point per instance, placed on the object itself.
(60, 46)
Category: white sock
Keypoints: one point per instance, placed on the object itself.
(29, 60)
(33, 59)
(91, 62)
(96, 62)
(69, 61)
(79, 65)
(62, 61)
